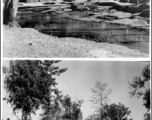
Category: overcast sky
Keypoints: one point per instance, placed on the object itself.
(80, 77)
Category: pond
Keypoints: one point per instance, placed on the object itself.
(65, 26)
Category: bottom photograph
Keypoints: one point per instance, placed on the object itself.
(75, 90)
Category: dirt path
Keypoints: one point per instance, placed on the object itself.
(29, 43)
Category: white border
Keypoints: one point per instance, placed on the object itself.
(72, 59)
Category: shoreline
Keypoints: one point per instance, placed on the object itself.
(60, 8)
(28, 42)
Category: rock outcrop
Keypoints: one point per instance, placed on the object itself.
(30, 1)
(133, 1)
(145, 13)
(142, 8)
(124, 1)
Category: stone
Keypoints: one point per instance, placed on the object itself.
(123, 1)
(145, 13)
(30, 1)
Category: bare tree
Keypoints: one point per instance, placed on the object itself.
(100, 97)
(100, 94)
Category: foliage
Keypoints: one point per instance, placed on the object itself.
(147, 116)
(93, 117)
(106, 38)
(53, 108)
(29, 84)
(72, 109)
(116, 112)
(141, 86)
(146, 99)
(76, 112)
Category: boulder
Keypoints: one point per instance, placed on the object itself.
(107, 17)
(108, 3)
(131, 22)
(22, 0)
(132, 9)
(117, 7)
(136, 9)
(133, 1)
(144, 1)
(118, 14)
(123, 1)
(145, 13)
(67, 10)
(49, 3)
(31, 1)
(73, 6)
(144, 6)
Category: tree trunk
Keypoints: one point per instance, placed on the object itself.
(10, 12)
(26, 116)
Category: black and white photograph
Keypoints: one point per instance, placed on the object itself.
(76, 28)
(75, 90)
(75, 59)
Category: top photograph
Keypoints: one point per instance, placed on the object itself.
(75, 28)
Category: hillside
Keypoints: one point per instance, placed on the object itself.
(27, 42)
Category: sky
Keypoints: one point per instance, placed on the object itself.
(81, 76)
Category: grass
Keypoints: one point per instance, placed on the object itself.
(29, 43)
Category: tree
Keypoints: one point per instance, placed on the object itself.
(140, 87)
(29, 84)
(116, 112)
(52, 109)
(100, 94)
(147, 116)
(93, 117)
(72, 108)
(10, 12)
(76, 111)
(67, 104)
(100, 97)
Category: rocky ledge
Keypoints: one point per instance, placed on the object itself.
(109, 11)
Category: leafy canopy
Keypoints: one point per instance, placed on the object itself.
(29, 83)
(116, 112)
(72, 108)
(141, 86)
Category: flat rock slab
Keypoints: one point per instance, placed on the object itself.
(118, 14)
(131, 22)
(112, 3)
(68, 10)
(31, 4)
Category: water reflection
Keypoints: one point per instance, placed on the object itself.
(63, 26)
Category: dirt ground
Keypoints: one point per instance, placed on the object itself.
(29, 43)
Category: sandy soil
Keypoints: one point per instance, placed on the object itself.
(29, 43)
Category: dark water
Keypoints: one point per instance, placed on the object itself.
(63, 26)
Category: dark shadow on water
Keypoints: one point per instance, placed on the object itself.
(63, 26)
